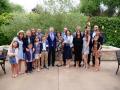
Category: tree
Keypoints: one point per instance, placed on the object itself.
(7, 7)
(93, 7)
(4, 6)
(55, 6)
(38, 9)
(3, 40)
(16, 8)
(113, 6)
(90, 7)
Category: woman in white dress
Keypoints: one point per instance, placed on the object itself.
(85, 51)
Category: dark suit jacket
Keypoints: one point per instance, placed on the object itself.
(25, 42)
(91, 42)
(50, 42)
(28, 56)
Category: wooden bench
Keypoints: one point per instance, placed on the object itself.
(3, 59)
(118, 59)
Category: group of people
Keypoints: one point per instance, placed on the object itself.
(38, 51)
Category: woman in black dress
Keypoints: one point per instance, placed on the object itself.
(78, 44)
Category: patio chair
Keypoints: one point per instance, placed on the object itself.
(118, 59)
(3, 59)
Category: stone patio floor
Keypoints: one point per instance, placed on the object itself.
(64, 79)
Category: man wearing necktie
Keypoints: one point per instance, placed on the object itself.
(52, 46)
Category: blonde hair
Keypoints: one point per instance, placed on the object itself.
(78, 28)
(51, 29)
(39, 29)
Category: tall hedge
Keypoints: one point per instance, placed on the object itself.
(111, 28)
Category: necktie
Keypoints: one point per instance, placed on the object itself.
(28, 40)
(52, 36)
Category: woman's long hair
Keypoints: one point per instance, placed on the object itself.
(14, 42)
(22, 37)
(58, 33)
(77, 34)
(68, 31)
(86, 35)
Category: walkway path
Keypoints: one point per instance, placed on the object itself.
(64, 79)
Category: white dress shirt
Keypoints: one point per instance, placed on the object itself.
(69, 40)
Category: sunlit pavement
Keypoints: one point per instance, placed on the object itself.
(64, 79)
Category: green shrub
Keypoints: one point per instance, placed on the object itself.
(3, 39)
(111, 28)
(26, 21)
(5, 18)
(11, 23)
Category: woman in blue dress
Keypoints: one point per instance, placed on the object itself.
(19, 39)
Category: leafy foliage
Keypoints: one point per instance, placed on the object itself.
(111, 28)
(3, 39)
(16, 8)
(4, 6)
(90, 7)
(7, 7)
(5, 18)
(55, 6)
(112, 5)
(93, 7)
(21, 21)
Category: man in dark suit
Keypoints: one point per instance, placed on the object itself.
(27, 40)
(52, 46)
(90, 45)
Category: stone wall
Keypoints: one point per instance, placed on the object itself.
(109, 53)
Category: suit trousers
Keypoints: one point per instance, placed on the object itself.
(51, 56)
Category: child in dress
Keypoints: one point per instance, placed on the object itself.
(37, 46)
(29, 58)
(13, 58)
